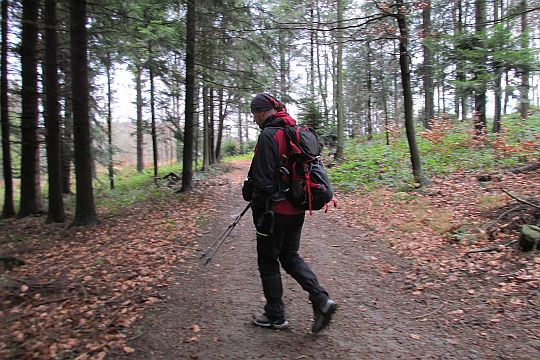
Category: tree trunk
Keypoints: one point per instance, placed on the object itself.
(8, 209)
(283, 70)
(427, 66)
(404, 62)
(397, 120)
(323, 79)
(239, 127)
(524, 88)
(139, 120)
(312, 52)
(461, 95)
(211, 130)
(385, 91)
(498, 81)
(67, 137)
(153, 124)
(220, 124)
(206, 135)
(339, 83)
(30, 185)
(85, 213)
(52, 116)
(480, 70)
(369, 124)
(110, 159)
(187, 168)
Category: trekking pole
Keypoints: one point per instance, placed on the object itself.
(212, 250)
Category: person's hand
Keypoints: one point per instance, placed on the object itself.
(247, 190)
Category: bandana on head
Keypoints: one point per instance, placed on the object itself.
(264, 102)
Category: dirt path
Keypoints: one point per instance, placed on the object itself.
(206, 314)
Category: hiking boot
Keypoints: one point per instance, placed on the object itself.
(264, 321)
(323, 316)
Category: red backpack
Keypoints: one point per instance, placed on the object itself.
(308, 187)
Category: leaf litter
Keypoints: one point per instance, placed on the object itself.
(82, 290)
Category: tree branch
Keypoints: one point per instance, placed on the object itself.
(520, 200)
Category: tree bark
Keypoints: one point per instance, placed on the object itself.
(85, 213)
(187, 168)
(498, 81)
(524, 88)
(404, 62)
(339, 83)
(369, 122)
(153, 123)
(480, 71)
(8, 209)
(52, 116)
(427, 66)
(312, 52)
(139, 121)
(211, 130)
(110, 159)
(239, 127)
(67, 137)
(206, 135)
(323, 79)
(460, 95)
(31, 202)
(283, 70)
(221, 121)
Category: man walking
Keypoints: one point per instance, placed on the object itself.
(278, 223)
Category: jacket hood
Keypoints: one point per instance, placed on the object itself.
(279, 119)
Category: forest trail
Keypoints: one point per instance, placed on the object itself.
(207, 313)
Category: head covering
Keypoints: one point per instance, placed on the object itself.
(264, 102)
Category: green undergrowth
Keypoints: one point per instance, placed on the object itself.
(371, 164)
(131, 187)
(247, 156)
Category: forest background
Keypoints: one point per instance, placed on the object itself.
(351, 69)
(117, 115)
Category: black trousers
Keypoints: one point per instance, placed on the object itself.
(281, 247)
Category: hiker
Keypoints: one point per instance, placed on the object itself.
(278, 223)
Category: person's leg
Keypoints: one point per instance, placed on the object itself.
(293, 264)
(323, 306)
(268, 248)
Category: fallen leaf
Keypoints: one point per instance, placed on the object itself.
(414, 336)
(24, 288)
(128, 350)
(19, 335)
(196, 328)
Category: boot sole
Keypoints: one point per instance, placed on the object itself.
(271, 325)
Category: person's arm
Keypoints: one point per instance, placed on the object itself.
(263, 169)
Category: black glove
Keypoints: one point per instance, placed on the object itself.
(265, 223)
(247, 190)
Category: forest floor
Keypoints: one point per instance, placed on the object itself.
(134, 286)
